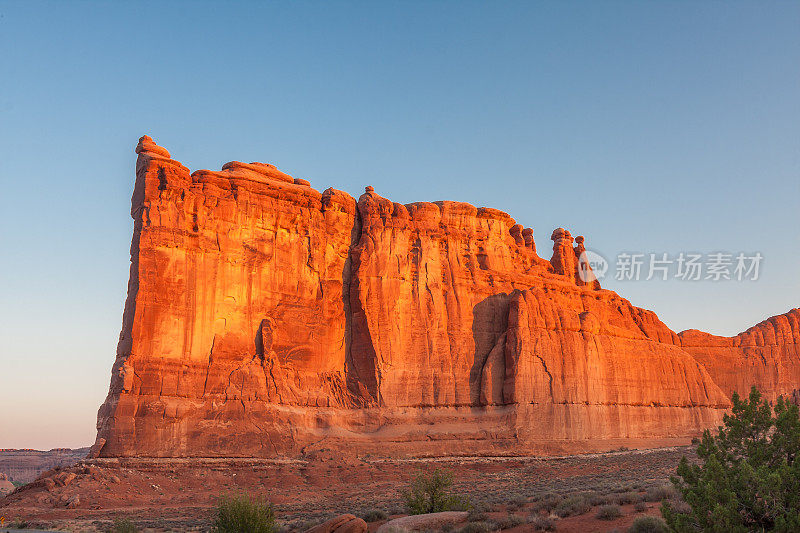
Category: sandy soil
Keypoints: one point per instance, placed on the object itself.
(180, 495)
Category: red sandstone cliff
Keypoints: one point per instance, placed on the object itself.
(766, 355)
(264, 318)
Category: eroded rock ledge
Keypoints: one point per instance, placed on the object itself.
(266, 319)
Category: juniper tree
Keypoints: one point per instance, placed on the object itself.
(748, 476)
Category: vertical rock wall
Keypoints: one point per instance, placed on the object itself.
(265, 318)
(766, 356)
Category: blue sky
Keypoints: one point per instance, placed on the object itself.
(645, 126)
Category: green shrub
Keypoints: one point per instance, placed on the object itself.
(640, 507)
(609, 512)
(374, 515)
(240, 513)
(596, 498)
(648, 524)
(476, 527)
(572, 506)
(479, 506)
(543, 523)
(477, 515)
(431, 493)
(516, 503)
(123, 525)
(624, 498)
(507, 522)
(680, 506)
(748, 478)
(547, 502)
(660, 493)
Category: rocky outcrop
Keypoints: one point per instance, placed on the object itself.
(345, 523)
(444, 520)
(265, 318)
(5, 485)
(766, 356)
(26, 465)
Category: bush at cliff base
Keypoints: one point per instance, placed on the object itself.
(239, 513)
(430, 493)
(748, 476)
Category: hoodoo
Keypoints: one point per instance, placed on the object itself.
(265, 318)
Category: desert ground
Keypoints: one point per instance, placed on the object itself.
(507, 493)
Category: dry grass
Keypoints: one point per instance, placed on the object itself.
(609, 512)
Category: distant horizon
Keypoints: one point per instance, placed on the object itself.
(660, 128)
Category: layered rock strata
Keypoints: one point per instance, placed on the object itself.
(265, 318)
(766, 356)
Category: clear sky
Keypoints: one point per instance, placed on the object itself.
(645, 126)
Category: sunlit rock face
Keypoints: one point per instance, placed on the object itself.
(766, 356)
(265, 318)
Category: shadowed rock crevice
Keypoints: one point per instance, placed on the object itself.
(360, 359)
(489, 324)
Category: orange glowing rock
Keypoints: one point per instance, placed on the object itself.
(265, 318)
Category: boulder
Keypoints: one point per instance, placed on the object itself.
(423, 522)
(345, 523)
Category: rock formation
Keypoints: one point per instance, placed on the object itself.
(5, 485)
(345, 523)
(265, 318)
(26, 465)
(766, 355)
